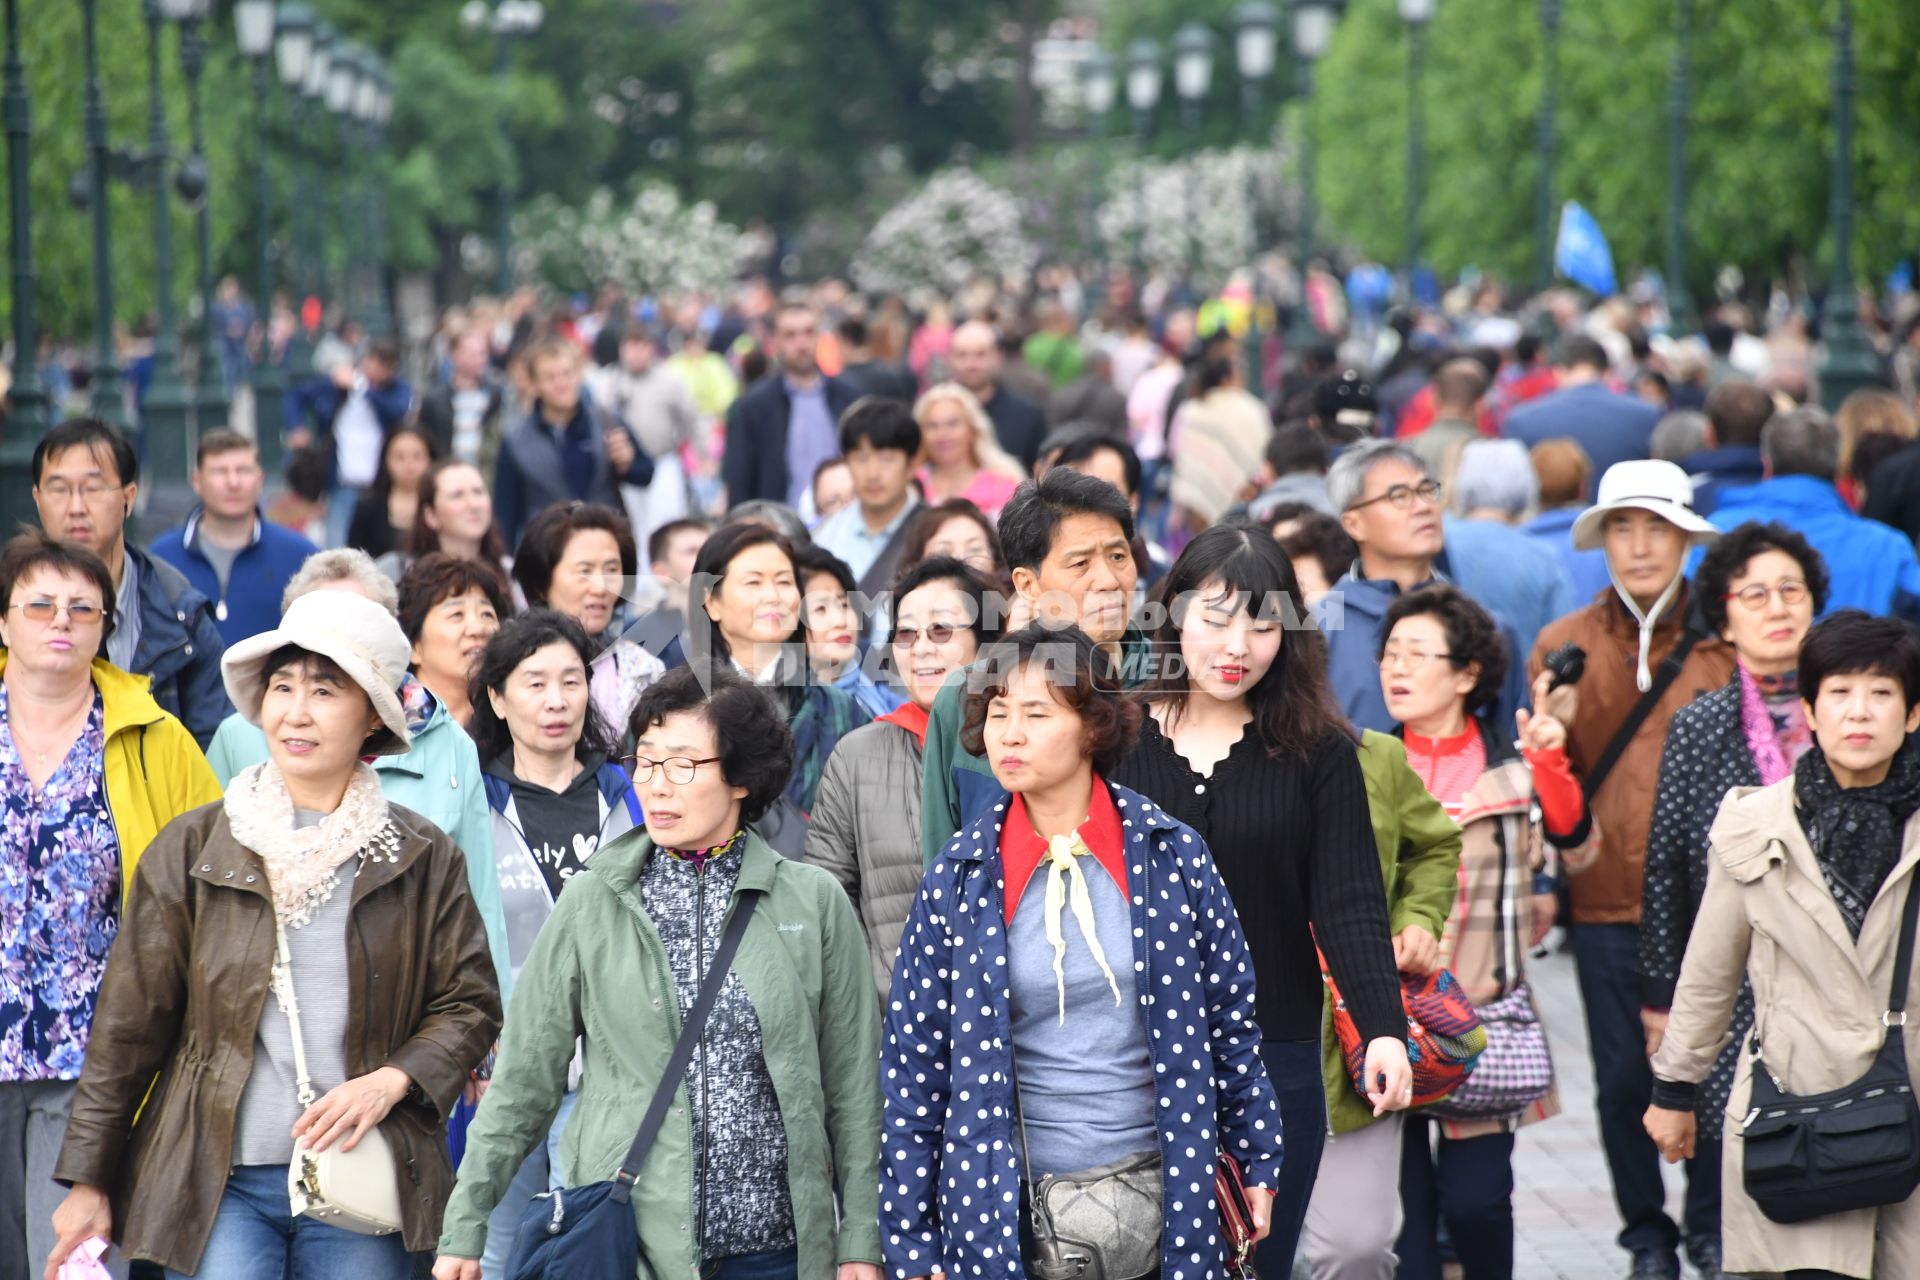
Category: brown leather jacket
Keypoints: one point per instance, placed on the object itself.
(180, 1006)
(1608, 892)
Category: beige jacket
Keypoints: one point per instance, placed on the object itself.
(1818, 1001)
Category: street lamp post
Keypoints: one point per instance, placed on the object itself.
(1255, 39)
(257, 30)
(211, 402)
(1313, 24)
(28, 419)
(1098, 88)
(105, 395)
(508, 20)
(1679, 302)
(1192, 77)
(343, 78)
(164, 413)
(1850, 363)
(1416, 14)
(311, 231)
(1544, 140)
(379, 109)
(1144, 73)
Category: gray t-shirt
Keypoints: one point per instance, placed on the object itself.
(221, 558)
(270, 1103)
(125, 640)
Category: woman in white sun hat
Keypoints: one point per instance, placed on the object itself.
(387, 963)
(1647, 655)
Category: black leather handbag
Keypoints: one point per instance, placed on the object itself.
(1855, 1147)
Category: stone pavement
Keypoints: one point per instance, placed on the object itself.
(1564, 1217)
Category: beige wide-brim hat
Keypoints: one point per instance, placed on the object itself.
(1648, 484)
(357, 635)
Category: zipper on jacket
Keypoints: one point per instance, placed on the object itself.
(706, 1117)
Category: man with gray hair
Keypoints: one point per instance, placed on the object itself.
(1512, 573)
(1873, 566)
(1680, 435)
(1390, 506)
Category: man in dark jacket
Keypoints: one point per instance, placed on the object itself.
(976, 359)
(348, 415)
(564, 451)
(85, 482)
(463, 413)
(1609, 426)
(786, 424)
(1737, 412)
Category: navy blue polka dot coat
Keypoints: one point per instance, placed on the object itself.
(949, 1164)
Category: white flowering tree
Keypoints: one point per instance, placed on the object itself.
(1201, 211)
(956, 228)
(657, 243)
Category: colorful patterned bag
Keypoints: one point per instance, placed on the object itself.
(1515, 1072)
(1444, 1035)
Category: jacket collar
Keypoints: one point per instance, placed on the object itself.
(190, 536)
(621, 862)
(1801, 496)
(225, 862)
(1138, 816)
(125, 700)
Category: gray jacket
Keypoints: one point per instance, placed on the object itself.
(866, 831)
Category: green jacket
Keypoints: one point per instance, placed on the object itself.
(1420, 859)
(947, 803)
(598, 971)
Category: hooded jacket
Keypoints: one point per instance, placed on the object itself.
(1872, 566)
(180, 647)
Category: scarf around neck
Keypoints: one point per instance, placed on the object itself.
(303, 864)
(1856, 831)
(1777, 741)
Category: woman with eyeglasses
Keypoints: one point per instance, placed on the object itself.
(90, 769)
(1760, 587)
(766, 1168)
(866, 815)
(556, 798)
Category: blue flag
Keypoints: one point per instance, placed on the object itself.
(1581, 254)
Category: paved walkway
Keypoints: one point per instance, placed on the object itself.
(1564, 1218)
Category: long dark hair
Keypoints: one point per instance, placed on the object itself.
(1293, 706)
(425, 540)
(706, 647)
(511, 645)
(382, 487)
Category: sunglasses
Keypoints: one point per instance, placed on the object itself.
(938, 632)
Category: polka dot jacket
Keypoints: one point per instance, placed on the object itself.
(949, 1165)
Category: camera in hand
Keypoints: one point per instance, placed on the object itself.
(1567, 663)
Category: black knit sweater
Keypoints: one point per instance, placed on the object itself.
(1294, 843)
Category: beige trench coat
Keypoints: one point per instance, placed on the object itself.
(1818, 1003)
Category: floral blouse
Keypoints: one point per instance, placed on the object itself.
(59, 904)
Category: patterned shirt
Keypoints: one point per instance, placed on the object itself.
(59, 903)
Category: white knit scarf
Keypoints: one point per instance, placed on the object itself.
(303, 864)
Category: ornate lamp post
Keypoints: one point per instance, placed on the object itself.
(311, 113)
(1098, 88)
(164, 413)
(257, 30)
(211, 400)
(508, 20)
(105, 397)
(1192, 77)
(1313, 25)
(1543, 142)
(28, 419)
(1679, 302)
(1416, 14)
(1850, 363)
(1144, 75)
(343, 80)
(1256, 27)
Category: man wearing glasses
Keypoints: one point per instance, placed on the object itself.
(1390, 506)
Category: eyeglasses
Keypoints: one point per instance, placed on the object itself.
(1792, 591)
(679, 769)
(1411, 659)
(937, 632)
(81, 613)
(1402, 496)
(60, 491)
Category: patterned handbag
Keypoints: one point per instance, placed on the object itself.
(1444, 1035)
(1515, 1072)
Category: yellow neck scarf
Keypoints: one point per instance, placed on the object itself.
(1067, 885)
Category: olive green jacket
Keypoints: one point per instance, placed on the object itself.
(598, 971)
(1420, 860)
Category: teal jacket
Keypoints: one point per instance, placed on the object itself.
(439, 779)
(599, 973)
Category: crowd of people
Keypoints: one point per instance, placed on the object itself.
(1064, 757)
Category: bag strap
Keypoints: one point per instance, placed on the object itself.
(1623, 736)
(690, 1031)
(283, 991)
(1903, 957)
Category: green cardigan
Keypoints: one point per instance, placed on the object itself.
(598, 971)
(1420, 860)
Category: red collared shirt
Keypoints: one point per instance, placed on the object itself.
(1022, 848)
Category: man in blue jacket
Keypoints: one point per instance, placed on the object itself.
(1611, 427)
(348, 415)
(85, 479)
(230, 552)
(1873, 566)
(566, 450)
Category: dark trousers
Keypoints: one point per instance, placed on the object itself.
(1293, 1068)
(1607, 957)
(781, 1264)
(1468, 1184)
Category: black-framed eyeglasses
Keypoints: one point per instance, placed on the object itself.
(679, 769)
(938, 632)
(1401, 496)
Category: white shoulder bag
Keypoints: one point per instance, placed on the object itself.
(357, 1190)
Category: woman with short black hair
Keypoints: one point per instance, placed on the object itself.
(449, 609)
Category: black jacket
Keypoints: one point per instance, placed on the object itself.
(180, 647)
(755, 462)
(436, 414)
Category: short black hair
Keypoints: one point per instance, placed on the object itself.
(1739, 410)
(32, 549)
(546, 538)
(852, 331)
(1110, 719)
(705, 646)
(1719, 335)
(1033, 515)
(966, 579)
(515, 642)
(813, 559)
(1321, 537)
(1853, 642)
(1078, 446)
(661, 539)
(1472, 637)
(750, 730)
(1727, 558)
(1577, 349)
(93, 435)
(880, 422)
(1297, 447)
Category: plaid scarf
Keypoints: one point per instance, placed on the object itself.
(819, 718)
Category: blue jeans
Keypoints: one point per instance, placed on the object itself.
(1293, 1068)
(781, 1264)
(538, 1173)
(255, 1234)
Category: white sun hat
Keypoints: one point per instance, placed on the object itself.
(357, 635)
(1645, 485)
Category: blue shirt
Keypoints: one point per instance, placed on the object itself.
(1609, 426)
(1511, 574)
(59, 903)
(845, 533)
(812, 437)
(1586, 570)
